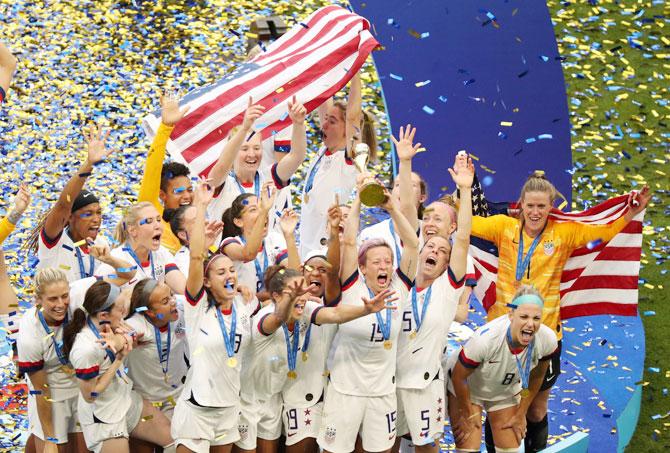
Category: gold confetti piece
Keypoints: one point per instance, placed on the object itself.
(64, 267)
(147, 418)
(80, 243)
(251, 35)
(506, 123)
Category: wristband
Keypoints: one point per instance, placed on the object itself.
(85, 175)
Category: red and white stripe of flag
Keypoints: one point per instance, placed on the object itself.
(312, 61)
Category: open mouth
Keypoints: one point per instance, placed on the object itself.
(93, 231)
(316, 283)
(527, 335)
(185, 203)
(382, 279)
(251, 162)
(156, 239)
(431, 261)
(229, 285)
(429, 231)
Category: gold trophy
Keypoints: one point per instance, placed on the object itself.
(372, 193)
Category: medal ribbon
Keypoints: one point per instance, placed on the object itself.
(80, 260)
(228, 340)
(384, 327)
(159, 347)
(521, 261)
(260, 270)
(418, 320)
(132, 254)
(292, 347)
(110, 355)
(257, 185)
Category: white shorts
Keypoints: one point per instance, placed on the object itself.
(63, 416)
(259, 419)
(421, 412)
(491, 406)
(346, 416)
(301, 422)
(96, 433)
(198, 428)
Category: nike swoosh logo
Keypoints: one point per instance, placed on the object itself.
(494, 361)
(291, 435)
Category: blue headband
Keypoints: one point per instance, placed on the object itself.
(114, 292)
(526, 299)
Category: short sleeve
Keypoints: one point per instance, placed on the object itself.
(86, 360)
(138, 324)
(548, 346)
(31, 352)
(470, 276)
(474, 352)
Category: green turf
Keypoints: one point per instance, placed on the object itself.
(642, 74)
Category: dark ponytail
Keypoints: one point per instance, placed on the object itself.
(276, 277)
(175, 217)
(234, 212)
(94, 301)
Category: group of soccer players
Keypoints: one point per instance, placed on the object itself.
(224, 320)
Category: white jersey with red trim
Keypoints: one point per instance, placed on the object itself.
(183, 259)
(145, 367)
(270, 369)
(496, 376)
(210, 380)
(90, 361)
(328, 174)
(420, 352)
(160, 263)
(60, 253)
(231, 190)
(273, 252)
(362, 365)
(37, 351)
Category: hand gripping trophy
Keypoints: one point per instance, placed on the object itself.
(372, 193)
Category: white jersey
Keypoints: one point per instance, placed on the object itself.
(385, 230)
(157, 267)
(211, 381)
(90, 361)
(270, 369)
(420, 352)
(496, 376)
(183, 259)
(250, 273)
(60, 253)
(145, 366)
(362, 366)
(37, 351)
(328, 174)
(232, 188)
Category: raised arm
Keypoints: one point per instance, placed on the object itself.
(198, 250)
(151, 178)
(21, 202)
(290, 163)
(7, 67)
(349, 239)
(219, 171)
(124, 270)
(345, 313)
(410, 251)
(333, 288)
(60, 213)
(283, 306)
(288, 222)
(353, 115)
(248, 251)
(406, 152)
(462, 174)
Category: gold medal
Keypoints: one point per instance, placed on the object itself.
(412, 335)
(292, 374)
(67, 370)
(388, 344)
(525, 393)
(232, 362)
(305, 356)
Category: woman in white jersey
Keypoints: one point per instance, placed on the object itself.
(52, 402)
(139, 233)
(361, 395)
(285, 371)
(237, 168)
(250, 244)
(500, 369)
(109, 410)
(158, 365)
(332, 170)
(425, 324)
(218, 331)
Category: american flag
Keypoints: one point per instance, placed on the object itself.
(599, 278)
(312, 61)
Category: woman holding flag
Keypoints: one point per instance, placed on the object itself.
(533, 251)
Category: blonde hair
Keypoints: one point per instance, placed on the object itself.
(130, 217)
(48, 276)
(537, 182)
(527, 290)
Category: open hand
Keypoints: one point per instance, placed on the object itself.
(95, 140)
(403, 146)
(170, 113)
(385, 299)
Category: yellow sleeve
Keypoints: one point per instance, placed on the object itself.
(151, 179)
(6, 228)
(490, 228)
(581, 234)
